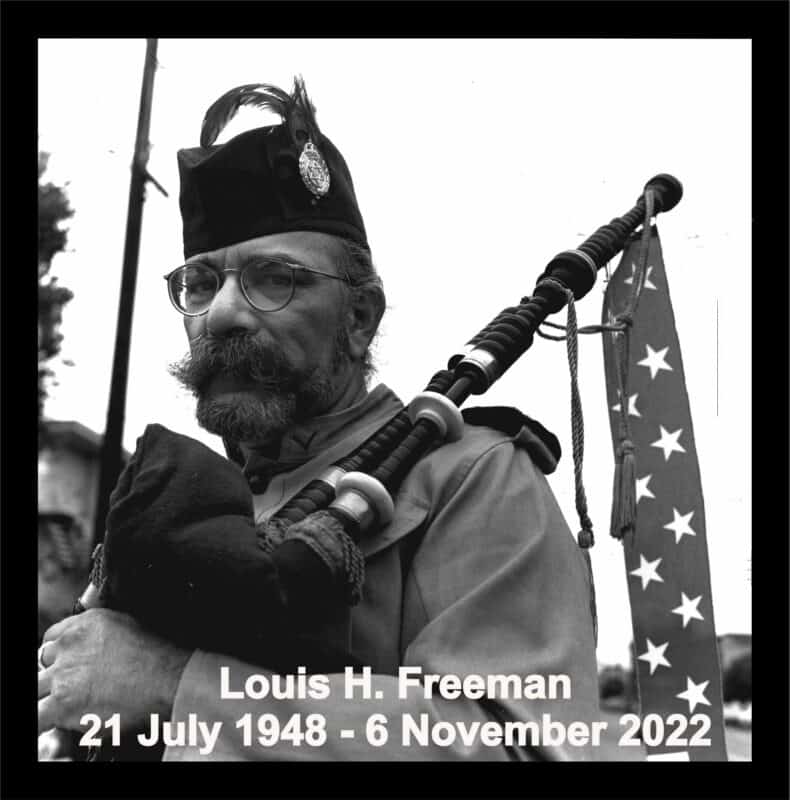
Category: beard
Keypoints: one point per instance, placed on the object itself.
(284, 395)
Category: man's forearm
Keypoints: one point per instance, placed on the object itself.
(102, 662)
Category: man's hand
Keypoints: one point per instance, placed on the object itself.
(55, 745)
(103, 662)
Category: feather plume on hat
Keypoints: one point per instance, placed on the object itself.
(281, 177)
(295, 109)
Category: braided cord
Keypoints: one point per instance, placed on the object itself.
(585, 537)
(623, 520)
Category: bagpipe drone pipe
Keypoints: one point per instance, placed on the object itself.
(184, 556)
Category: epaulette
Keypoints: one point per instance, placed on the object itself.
(541, 444)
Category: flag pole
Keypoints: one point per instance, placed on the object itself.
(111, 451)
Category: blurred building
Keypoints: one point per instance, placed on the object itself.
(733, 646)
(68, 480)
(735, 653)
(617, 688)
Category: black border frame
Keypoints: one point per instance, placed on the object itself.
(765, 22)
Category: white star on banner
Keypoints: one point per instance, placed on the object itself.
(642, 489)
(668, 442)
(688, 609)
(654, 360)
(633, 411)
(680, 525)
(655, 656)
(647, 571)
(647, 284)
(694, 694)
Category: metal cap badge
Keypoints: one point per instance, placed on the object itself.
(314, 171)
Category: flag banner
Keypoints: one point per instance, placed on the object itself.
(666, 556)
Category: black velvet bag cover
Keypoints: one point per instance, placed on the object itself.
(182, 555)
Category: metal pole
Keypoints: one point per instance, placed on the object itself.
(111, 462)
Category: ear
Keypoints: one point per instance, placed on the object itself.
(364, 312)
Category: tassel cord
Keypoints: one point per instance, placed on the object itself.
(624, 502)
(585, 536)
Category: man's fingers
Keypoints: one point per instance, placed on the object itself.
(53, 745)
(55, 630)
(44, 683)
(46, 714)
(46, 654)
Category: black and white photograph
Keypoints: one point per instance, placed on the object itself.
(394, 399)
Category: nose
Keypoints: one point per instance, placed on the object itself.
(229, 310)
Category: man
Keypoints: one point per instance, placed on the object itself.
(476, 579)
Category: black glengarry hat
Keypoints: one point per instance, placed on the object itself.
(279, 178)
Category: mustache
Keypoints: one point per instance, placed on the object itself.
(241, 355)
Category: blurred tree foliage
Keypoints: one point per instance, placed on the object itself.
(53, 209)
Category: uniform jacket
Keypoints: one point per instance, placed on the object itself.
(477, 573)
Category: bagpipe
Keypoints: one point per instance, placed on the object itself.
(184, 555)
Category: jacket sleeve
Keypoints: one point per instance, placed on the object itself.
(497, 588)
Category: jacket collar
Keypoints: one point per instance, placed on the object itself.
(304, 442)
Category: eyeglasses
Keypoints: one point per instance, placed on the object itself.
(267, 284)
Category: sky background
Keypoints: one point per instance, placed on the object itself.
(457, 231)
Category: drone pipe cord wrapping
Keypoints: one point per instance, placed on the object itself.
(306, 559)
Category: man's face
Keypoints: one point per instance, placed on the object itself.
(256, 373)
